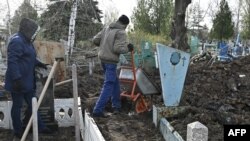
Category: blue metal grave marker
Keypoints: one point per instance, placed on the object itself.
(173, 65)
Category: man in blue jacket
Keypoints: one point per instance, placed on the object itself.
(113, 42)
(20, 74)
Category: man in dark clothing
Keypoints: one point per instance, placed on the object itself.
(113, 42)
(20, 74)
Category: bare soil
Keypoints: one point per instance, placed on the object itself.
(121, 127)
(215, 96)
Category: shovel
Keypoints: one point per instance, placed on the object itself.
(141, 105)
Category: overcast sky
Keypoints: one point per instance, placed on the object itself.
(123, 6)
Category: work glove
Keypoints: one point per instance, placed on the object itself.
(130, 47)
(43, 65)
(17, 86)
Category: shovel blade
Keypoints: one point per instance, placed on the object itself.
(141, 105)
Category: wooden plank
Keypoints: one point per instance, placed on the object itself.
(75, 94)
(168, 131)
(92, 132)
(40, 99)
(35, 124)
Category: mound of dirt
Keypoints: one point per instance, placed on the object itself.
(216, 95)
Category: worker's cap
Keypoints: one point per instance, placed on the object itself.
(123, 19)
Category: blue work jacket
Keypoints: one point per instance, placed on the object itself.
(21, 63)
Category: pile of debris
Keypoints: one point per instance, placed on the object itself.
(215, 95)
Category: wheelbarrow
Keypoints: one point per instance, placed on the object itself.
(135, 77)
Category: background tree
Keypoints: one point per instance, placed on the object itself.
(194, 20)
(179, 30)
(153, 16)
(55, 21)
(237, 26)
(111, 15)
(141, 17)
(25, 10)
(223, 27)
(195, 16)
(246, 20)
(162, 13)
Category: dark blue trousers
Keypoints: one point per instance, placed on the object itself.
(17, 99)
(110, 89)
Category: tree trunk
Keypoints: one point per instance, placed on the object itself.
(178, 33)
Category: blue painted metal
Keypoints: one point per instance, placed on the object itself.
(147, 55)
(194, 45)
(223, 52)
(223, 49)
(237, 39)
(172, 74)
(146, 49)
(237, 49)
(137, 59)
